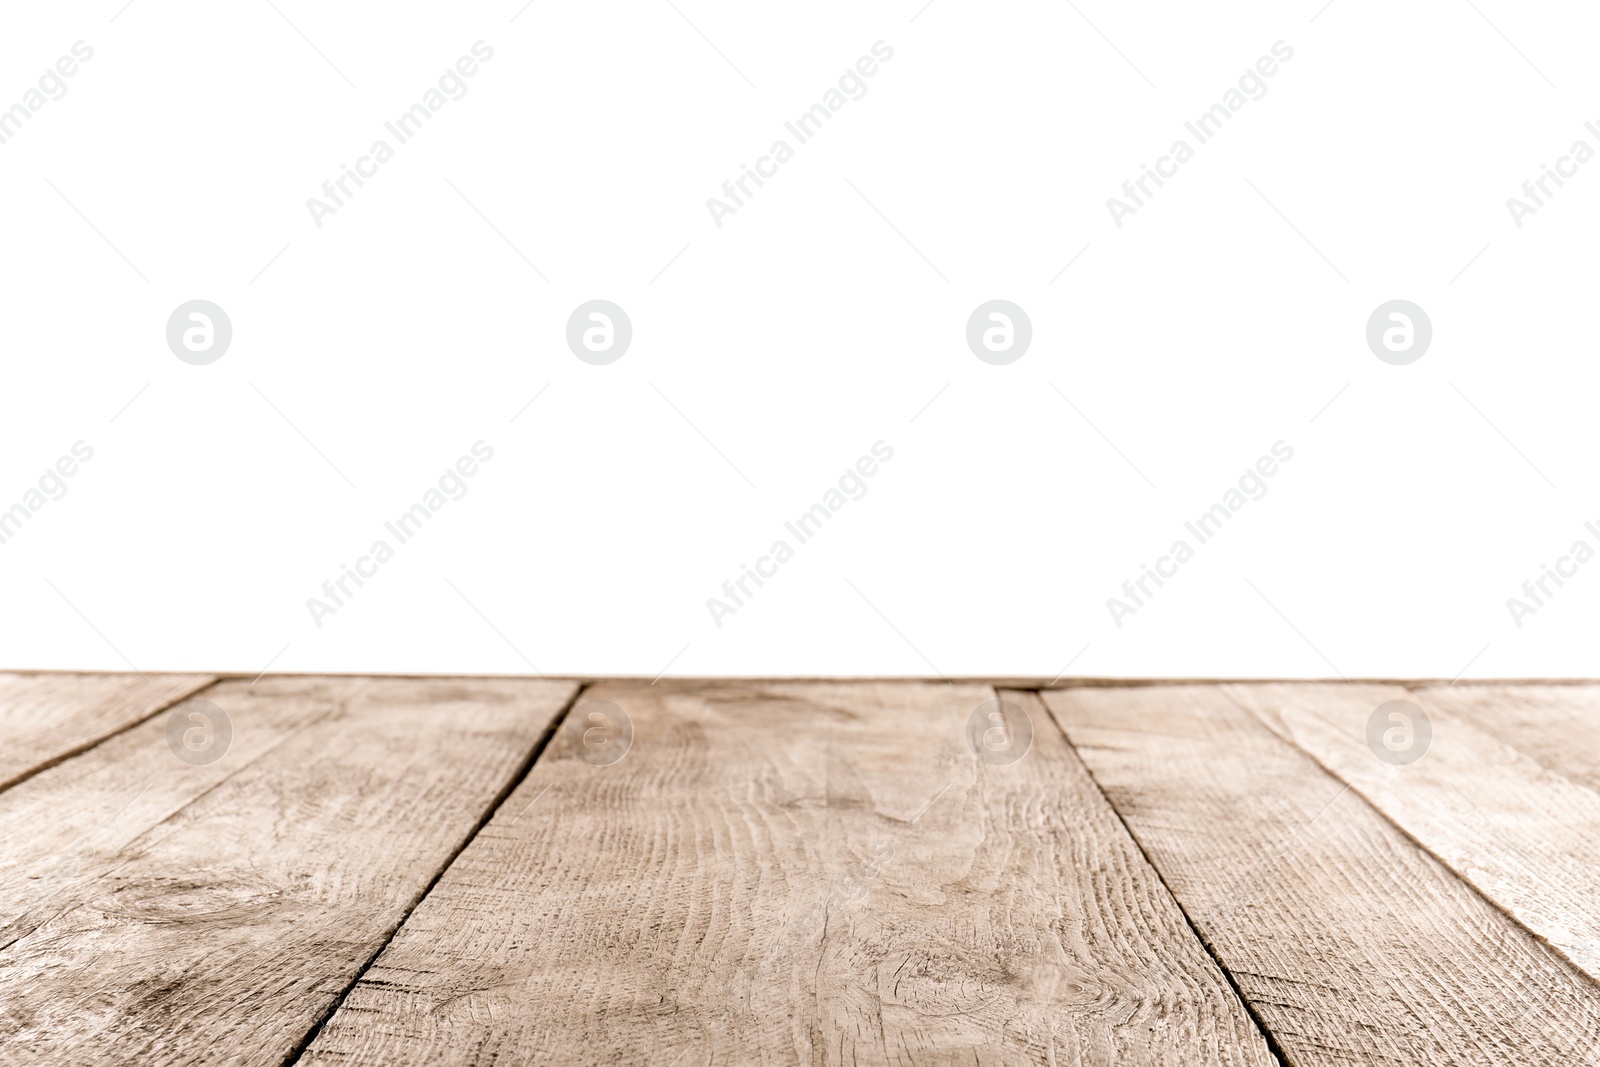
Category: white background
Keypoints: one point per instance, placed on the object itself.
(799, 333)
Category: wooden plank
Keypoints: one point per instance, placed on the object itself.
(1556, 725)
(1350, 943)
(45, 718)
(1523, 836)
(793, 873)
(225, 930)
(70, 826)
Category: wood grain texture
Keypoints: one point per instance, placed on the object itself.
(794, 873)
(1351, 944)
(1556, 725)
(70, 826)
(1522, 835)
(224, 916)
(44, 718)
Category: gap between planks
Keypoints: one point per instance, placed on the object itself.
(621, 923)
(1331, 752)
(141, 909)
(489, 812)
(120, 702)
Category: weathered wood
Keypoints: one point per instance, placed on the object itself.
(1351, 944)
(1525, 837)
(45, 718)
(1556, 725)
(69, 826)
(795, 873)
(228, 906)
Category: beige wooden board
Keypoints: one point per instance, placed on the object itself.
(229, 927)
(1525, 837)
(1556, 725)
(68, 827)
(1351, 944)
(45, 718)
(797, 873)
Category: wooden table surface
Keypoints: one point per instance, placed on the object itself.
(408, 871)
